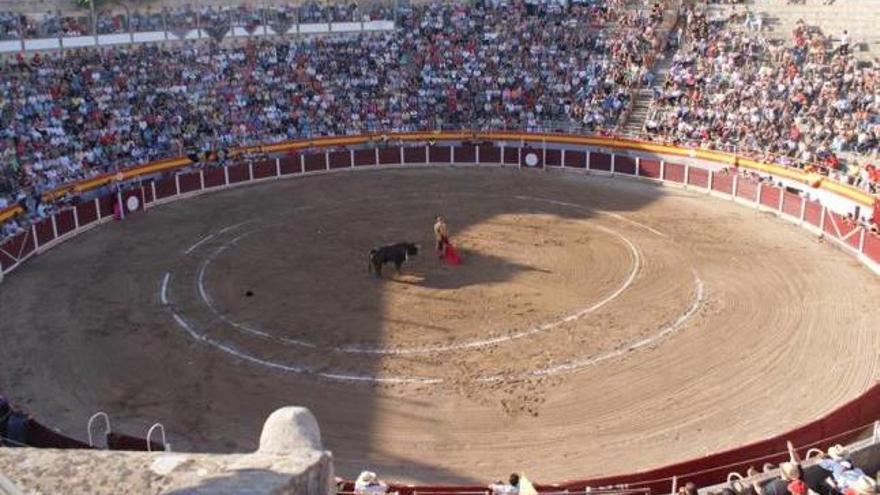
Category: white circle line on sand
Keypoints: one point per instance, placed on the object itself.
(188, 328)
(601, 212)
(577, 364)
(163, 291)
(215, 234)
(568, 367)
(203, 294)
(635, 260)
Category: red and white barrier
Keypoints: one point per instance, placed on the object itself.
(809, 214)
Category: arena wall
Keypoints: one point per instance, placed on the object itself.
(691, 169)
(694, 170)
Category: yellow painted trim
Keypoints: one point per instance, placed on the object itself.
(10, 212)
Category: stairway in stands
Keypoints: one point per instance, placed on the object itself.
(642, 104)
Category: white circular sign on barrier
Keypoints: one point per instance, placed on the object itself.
(132, 203)
(532, 160)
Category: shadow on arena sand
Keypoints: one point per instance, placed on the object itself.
(84, 329)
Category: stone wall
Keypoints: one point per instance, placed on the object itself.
(290, 460)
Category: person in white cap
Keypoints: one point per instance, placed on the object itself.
(367, 483)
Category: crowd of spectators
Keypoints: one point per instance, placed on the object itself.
(74, 114)
(809, 103)
(835, 473)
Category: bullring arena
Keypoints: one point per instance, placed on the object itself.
(667, 213)
(596, 311)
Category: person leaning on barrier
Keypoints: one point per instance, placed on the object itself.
(367, 483)
(509, 488)
(688, 489)
(789, 482)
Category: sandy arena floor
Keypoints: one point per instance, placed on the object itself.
(598, 325)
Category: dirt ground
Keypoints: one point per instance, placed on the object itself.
(597, 326)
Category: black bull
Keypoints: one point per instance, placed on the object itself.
(394, 253)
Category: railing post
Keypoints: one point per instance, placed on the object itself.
(277, 167)
(562, 158)
(781, 199)
(687, 174)
(544, 154)
(711, 181)
(34, 235)
(758, 196)
(54, 227)
(613, 163)
(250, 171)
(226, 175)
(351, 158)
(76, 218)
(735, 185)
(153, 188)
(588, 160)
(176, 184)
(662, 170)
(202, 179)
(120, 204)
(376, 154)
(476, 153)
(327, 160)
(638, 166)
(803, 214)
(302, 163)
